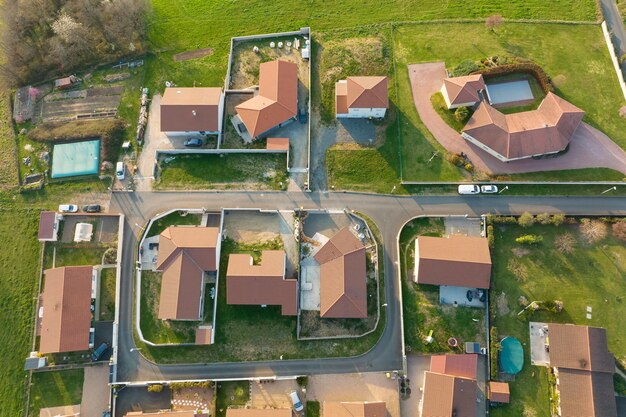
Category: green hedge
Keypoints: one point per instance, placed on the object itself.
(524, 67)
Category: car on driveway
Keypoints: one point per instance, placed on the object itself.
(193, 143)
(303, 117)
(297, 404)
(68, 208)
(488, 189)
(99, 353)
(92, 208)
(469, 189)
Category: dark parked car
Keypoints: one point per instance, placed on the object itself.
(193, 143)
(99, 353)
(303, 116)
(92, 208)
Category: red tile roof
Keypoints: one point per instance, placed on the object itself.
(277, 144)
(185, 253)
(190, 109)
(257, 412)
(461, 90)
(66, 309)
(499, 392)
(262, 284)
(354, 409)
(343, 286)
(588, 394)
(361, 93)
(203, 335)
(579, 347)
(448, 396)
(464, 365)
(520, 135)
(47, 225)
(460, 261)
(277, 100)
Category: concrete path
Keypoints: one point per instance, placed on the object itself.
(153, 140)
(615, 27)
(95, 398)
(589, 148)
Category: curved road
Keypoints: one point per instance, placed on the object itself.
(390, 213)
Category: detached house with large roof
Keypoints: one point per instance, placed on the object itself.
(343, 278)
(361, 97)
(187, 255)
(276, 103)
(192, 110)
(262, 284)
(66, 324)
(354, 409)
(462, 91)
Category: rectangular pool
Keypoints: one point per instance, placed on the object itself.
(76, 158)
(510, 92)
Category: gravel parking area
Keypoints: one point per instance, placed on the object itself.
(272, 393)
(95, 398)
(105, 230)
(139, 399)
(462, 226)
(416, 366)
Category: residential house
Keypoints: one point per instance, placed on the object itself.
(67, 299)
(584, 368)
(462, 91)
(460, 261)
(48, 226)
(361, 97)
(276, 103)
(258, 412)
(262, 284)
(189, 111)
(510, 137)
(354, 409)
(343, 278)
(188, 257)
(168, 413)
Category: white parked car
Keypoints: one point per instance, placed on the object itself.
(489, 189)
(68, 208)
(297, 404)
(469, 189)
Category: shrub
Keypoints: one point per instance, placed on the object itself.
(518, 269)
(620, 384)
(155, 388)
(469, 167)
(543, 218)
(461, 114)
(455, 159)
(529, 240)
(565, 243)
(526, 219)
(302, 381)
(522, 301)
(491, 239)
(494, 348)
(553, 306)
(619, 230)
(558, 219)
(593, 230)
(465, 68)
(525, 67)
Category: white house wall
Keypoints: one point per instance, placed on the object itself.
(496, 154)
(362, 113)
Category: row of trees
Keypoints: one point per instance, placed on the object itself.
(45, 38)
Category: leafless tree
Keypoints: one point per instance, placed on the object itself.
(593, 230)
(494, 21)
(565, 243)
(619, 230)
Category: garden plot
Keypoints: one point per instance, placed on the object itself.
(93, 102)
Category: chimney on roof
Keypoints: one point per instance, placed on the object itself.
(193, 112)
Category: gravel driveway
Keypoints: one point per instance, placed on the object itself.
(589, 148)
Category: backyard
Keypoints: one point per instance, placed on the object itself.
(422, 311)
(225, 171)
(571, 269)
(68, 254)
(175, 218)
(53, 389)
(231, 393)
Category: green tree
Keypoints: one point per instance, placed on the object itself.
(526, 219)
(461, 114)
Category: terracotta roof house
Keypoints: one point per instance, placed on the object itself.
(511, 137)
(360, 97)
(277, 144)
(66, 300)
(584, 369)
(343, 285)
(354, 409)
(276, 104)
(448, 396)
(499, 392)
(185, 255)
(167, 413)
(192, 110)
(48, 226)
(464, 365)
(262, 284)
(257, 412)
(462, 91)
(459, 261)
(204, 335)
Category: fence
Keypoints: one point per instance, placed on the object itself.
(614, 59)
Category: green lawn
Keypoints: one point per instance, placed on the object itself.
(312, 409)
(227, 171)
(422, 311)
(593, 275)
(107, 294)
(174, 219)
(8, 154)
(231, 393)
(575, 57)
(68, 254)
(447, 115)
(19, 267)
(53, 389)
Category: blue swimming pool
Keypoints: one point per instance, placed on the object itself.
(509, 92)
(76, 158)
(511, 355)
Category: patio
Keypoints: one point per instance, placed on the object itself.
(539, 354)
(457, 296)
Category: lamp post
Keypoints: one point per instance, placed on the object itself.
(609, 189)
(504, 189)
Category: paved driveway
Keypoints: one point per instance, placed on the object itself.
(139, 399)
(463, 226)
(272, 394)
(356, 387)
(153, 139)
(589, 148)
(416, 366)
(95, 398)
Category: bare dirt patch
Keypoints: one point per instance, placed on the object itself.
(518, 269)
(502, 304)
(559, 80)
(196, 53)
(520, 252)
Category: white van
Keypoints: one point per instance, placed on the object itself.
(469, 189)
(297, 405)
(120, 171)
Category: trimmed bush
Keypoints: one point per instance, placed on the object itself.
(491, 239)
(529, 240)
(465, 68)
(558, 219)
(526, 219)
(155, 388)
(543, 218)
(494, 348)
(461, 114)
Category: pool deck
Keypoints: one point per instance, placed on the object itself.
(539, 355)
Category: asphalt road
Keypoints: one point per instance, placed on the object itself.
(389, 212)
(616, 27)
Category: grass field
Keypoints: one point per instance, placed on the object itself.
(8, 153)
(107, 294)
(173, 219)
(68, 254)
(231, 394)
(228, 171)
(53, 389)
(592, 275)
(576, 57)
